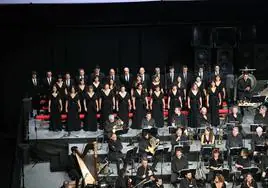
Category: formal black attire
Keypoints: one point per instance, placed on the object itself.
(34, 90)
(100, 75)
(90, 123)
(47, 85)
(78, 78)
(234, 141)
(176, 166)
(147, 123)
(244, 185)
(127, 80)
(214, 163)
(220, 88)
(179, 120)
(68, 83)
(115, 78)
(143, 171)
(121, 182)
(213, 109)
(205, 120)
(61, 90)
(174, 102)
(182, 140)
(81, 94)
(55, 113)
(241, 86)
(97, 88)
(171, 79)
(259, 119)
(257, 140)
(123, 107)
(73, 119)
(203, 76)
(140, 112)
(194, 115)
(157, 109)
(106, 105)
(232, 118)
(201, 88)
(145, 78)
(187, 80)
(186, 183)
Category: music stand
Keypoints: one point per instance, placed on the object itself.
(185, 148)
(183, 172)
(261, 148)
(161, 151)
(206, 151)
(129, 155)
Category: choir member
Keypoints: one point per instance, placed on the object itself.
(48, 82)
(145, 173)
(188, 181)
(127, 79)
(97, 73)
(91, 108)
(156, 83)
(81, 91)
(216, 72)
(194, 104)
(68, 82)
(264, 167)
(157, 73)
(181, 88)
(234, 139)
(215, 164)
(106, 103)
(201, 87)
(113, 87)
(55, 109)
(97, 86)
(249, 182)
(179, 138)
(157, 105)
(179, 119)
(186, 77)
(34, 89)
(60, 87)
(72, 108)
(214, 103)
(171, 77)
(234, 116)
(81, 76)
(262, 116)
(145, 78)
(178, 163)
(123, 105)
(205, 118)
(148, 122)
(202, 74)
(115, 152)
(135, 84)
(218, 182)
(244, 87)
(144, 145)
(174, 100)
(112, 76)
(220, 86)
(208, 137)
(140, 105)
(243, 161)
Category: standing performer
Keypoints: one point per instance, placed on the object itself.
(123, 105)
(213, 103)
(81, 93)
(106, 103)
(244, 87)
(97, 86)
(55, 109)
(220, 86)
(194, 104)
(174, 100)
(181, 89)
(72, 109)
(157, 105)
(91, 108)
(140, 104)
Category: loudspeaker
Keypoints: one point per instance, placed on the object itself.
(225, 60)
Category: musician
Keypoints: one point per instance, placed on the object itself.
(148, 122)
(249, 182)
(188, 181)
(243, 161)
(115, 151)
(127, 79)
(257, 139)
(113, 76)
(179, 138)
(178, 118)
(262, 116)
(208, 137)
(145, 174)
(178, 163)
(123, 181)
(235, 139)
(158, 183)
(244, 87)
(219, 182)
(110, 125)
(72, 166)
(234, 116)
(215, 164)
(205, 119)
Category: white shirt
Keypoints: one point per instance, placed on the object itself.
(49, 80)
(127, 77)
(34, 81)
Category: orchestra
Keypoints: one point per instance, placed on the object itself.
(143, 102)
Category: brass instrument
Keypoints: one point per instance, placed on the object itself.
(118, 125)
(154, 143)
(189, 132)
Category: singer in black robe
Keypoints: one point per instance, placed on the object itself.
(157, 105)
(194, 103)
(123, 104)
(214, 102)
(91, 107)
(73, 108)
(55, 108)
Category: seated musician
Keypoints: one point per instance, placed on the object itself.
(219, 182)
(244, 87)
(243, 161)
(115, 154)
(145, 149)
(257, 139)
(215, 164)
(148, 122)
(249, 182)
(204, 117)
(234, 116)
(145, 174)
(188, 181)
(179, 138)
(111, 125)
(208, 137)
(158, 183)
(178, 118)
(234, 139)
(73, 168)
(262, 116)
(123, 181)
(178, 163)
